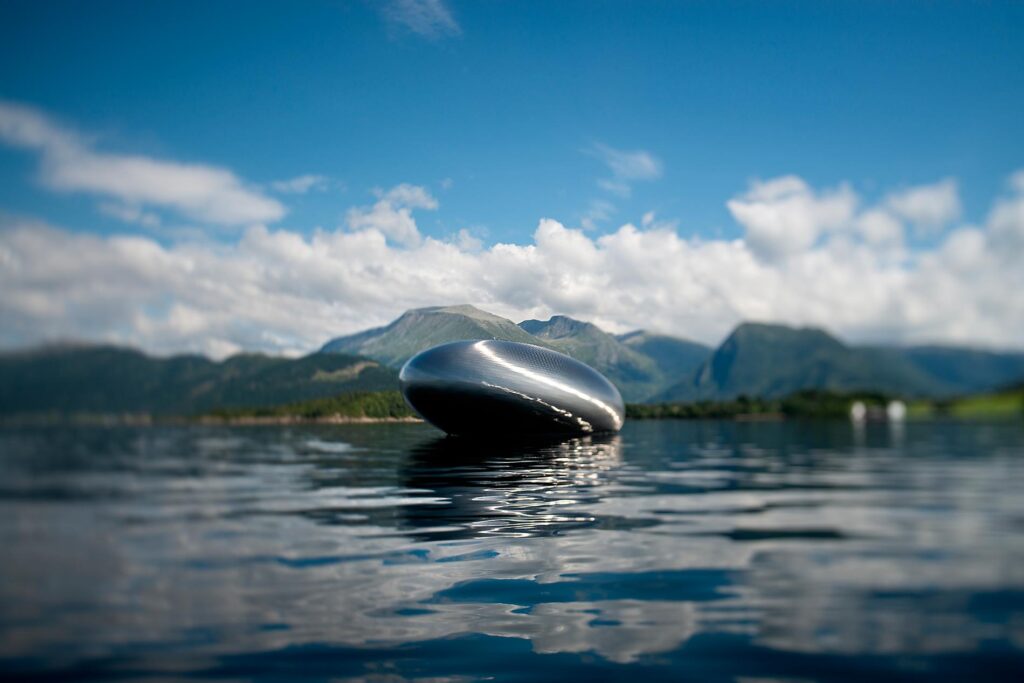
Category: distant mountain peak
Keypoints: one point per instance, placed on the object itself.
(420, 328)
(775, 333)
(558, 327)
(468, 310)
(772, 360)
(761, 326)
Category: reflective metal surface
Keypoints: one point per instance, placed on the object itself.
(491, 387)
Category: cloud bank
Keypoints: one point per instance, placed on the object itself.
(69, 163)
(808, 257)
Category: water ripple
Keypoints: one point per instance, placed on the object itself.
(701, 550)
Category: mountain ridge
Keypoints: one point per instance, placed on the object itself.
(757, 359)
(396, 342)
(772, 360)
(107, 379)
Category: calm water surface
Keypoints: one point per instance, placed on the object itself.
(674, 551)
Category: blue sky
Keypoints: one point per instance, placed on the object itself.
(877, 94)
(593, 114)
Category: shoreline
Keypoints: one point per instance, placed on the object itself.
(146, 420)
(257, 420)
(142, 420)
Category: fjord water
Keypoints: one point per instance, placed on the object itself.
(714, 551)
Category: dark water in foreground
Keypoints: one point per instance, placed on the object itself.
(676, 551)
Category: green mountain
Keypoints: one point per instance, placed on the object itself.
(756, 360)
(759, 360)
(674, 357)
(962, 370)
(422, 328)
(774, 360)
(636, 375)
(67, 380)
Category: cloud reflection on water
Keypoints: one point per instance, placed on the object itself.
(147, 545)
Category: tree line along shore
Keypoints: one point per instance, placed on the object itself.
(389, 406)
(809, 404)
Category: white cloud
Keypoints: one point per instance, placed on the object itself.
(1006, 222)
(467, 241)
(411, 196)
(427, 18)
(598, 211)
(627, 167)
(619, 188)
(1017, 181)
(880, 228)
(130, 214)
(301, 184)
(928, 207)
(284, 291)
(650, 221)
(69, 163)
(391, 215)
(785, 216)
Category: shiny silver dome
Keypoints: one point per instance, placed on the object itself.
(501, 387)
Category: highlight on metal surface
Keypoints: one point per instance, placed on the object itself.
(491, 386)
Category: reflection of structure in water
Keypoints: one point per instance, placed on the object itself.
(505, 489)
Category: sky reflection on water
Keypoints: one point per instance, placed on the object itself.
(714, 551)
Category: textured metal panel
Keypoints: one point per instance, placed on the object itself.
(500, 387)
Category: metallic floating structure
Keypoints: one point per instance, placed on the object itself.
(500, 387)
